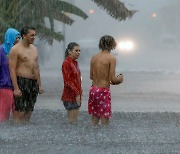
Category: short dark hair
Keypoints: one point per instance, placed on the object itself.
(70, 47)
(107, 43)
(26, 29)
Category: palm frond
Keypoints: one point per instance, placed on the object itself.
(69, 8)
(16, 13)
(47, 35)
(115, 8)
(3, 24)
(61, 17)
(22, 6)
(3, 28)
(51, 20)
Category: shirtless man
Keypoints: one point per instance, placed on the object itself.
(102, 74)
(25, 75)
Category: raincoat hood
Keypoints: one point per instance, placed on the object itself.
(10, 37)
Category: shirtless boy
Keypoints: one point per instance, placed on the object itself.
(25, 75)
(102, 74)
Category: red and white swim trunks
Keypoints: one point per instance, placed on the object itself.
(99, 103)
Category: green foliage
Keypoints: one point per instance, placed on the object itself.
(115, 8)
(18, 13)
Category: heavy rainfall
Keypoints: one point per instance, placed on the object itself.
(145, 107)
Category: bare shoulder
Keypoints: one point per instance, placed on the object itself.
(111, 57)
(33, 47)
(95, 56)
(15, 49)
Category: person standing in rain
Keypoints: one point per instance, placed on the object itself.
(25, 75)
(102, 74)
(12, 36)
(72, 92)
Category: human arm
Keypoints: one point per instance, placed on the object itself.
(38, 77)
(71, 78)
(13, 56)
(0, 58)
(120, 78)
(91, 69)
(41, 90)
(114, 80)
(78, 99)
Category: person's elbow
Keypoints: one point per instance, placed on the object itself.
(113, 82)
(91, 77)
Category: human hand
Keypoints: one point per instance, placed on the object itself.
(17, 92)
(120, 78)
(78, 100)
(41, 90)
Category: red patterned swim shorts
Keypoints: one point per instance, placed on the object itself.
(99, 103)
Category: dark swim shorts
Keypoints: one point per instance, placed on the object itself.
(29, 89)
(71, 106)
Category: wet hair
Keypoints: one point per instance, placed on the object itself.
(107, 43)
(70, 47)
(25, 30)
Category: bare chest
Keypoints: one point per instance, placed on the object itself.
(27, 57)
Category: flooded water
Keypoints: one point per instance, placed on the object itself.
(145, 119)
(49, 132)
(140, 92)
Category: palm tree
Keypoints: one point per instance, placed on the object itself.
(16, 13)
(115, 8)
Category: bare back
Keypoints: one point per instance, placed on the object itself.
(102, 69)
(25, 60)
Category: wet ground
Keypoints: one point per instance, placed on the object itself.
(48, 132)
(146, 120)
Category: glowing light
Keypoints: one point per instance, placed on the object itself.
(126, 46)
(91, 11)
(154, 15)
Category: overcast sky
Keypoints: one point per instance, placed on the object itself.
(155, 42)
(100, 23)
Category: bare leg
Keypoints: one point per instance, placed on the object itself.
(27, 116)
(105, 121)
(4, 114)
(21, 117)
(18, 117)
(73, 115)
(94, 120)
(76, 114)
(6, 103)
(70, 116)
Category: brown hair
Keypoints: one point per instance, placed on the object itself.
(25, 30)
(107, 43)
(70, 47)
